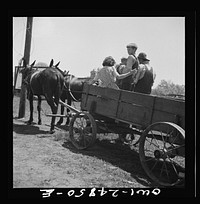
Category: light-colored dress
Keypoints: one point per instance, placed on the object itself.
(107, 76)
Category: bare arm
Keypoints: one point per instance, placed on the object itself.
(154, 73)
(130, 62)
(139, 73)
(95, 79)
(122, 76)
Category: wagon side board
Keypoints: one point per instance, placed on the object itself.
(133, 108)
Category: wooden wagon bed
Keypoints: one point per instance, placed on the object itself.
(134, 108)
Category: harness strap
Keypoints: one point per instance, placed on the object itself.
(70, 90)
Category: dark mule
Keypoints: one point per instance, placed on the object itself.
(72, 91)
(49, 83)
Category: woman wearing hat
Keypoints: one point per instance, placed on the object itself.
(144, 78)
(108, 74)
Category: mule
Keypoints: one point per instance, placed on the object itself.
(72, 91)
(49, 83)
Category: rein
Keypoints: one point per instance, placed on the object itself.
(69, 89)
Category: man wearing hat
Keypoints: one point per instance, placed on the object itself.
(145, 77)
(132, 63)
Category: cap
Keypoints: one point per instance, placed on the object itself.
(132, 45)
(143, 56)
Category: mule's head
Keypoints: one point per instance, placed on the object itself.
(68, 77)
(64, 73)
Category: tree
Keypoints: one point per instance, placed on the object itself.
(168, 88)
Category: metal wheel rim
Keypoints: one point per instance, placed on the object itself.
(163, 155)
(81, 135)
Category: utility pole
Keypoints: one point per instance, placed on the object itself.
(22, 104)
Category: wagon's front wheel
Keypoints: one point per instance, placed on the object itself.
(82, 130)
(162, 153)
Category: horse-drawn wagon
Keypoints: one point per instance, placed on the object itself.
(159, 122)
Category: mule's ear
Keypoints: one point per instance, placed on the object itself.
(57, 64)
(51, 63)
(66, 73)
(33, 63)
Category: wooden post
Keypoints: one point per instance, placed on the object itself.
(22, 104)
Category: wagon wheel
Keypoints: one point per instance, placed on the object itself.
(82, 130)
(162, 153)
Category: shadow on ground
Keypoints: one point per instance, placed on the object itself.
(118, 155)
(28, 129)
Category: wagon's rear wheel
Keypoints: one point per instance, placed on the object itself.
(82, 130)
(162, 153)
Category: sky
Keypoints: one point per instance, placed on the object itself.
(82, 43)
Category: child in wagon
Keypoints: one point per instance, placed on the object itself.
(108, 74)
(121, 70)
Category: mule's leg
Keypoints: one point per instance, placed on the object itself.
(61, 112)
(39, 110)
(56, 102)
(31, 109)
(54, 111)
(69, 102)
(54, 108)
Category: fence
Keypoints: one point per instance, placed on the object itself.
(17, 78)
